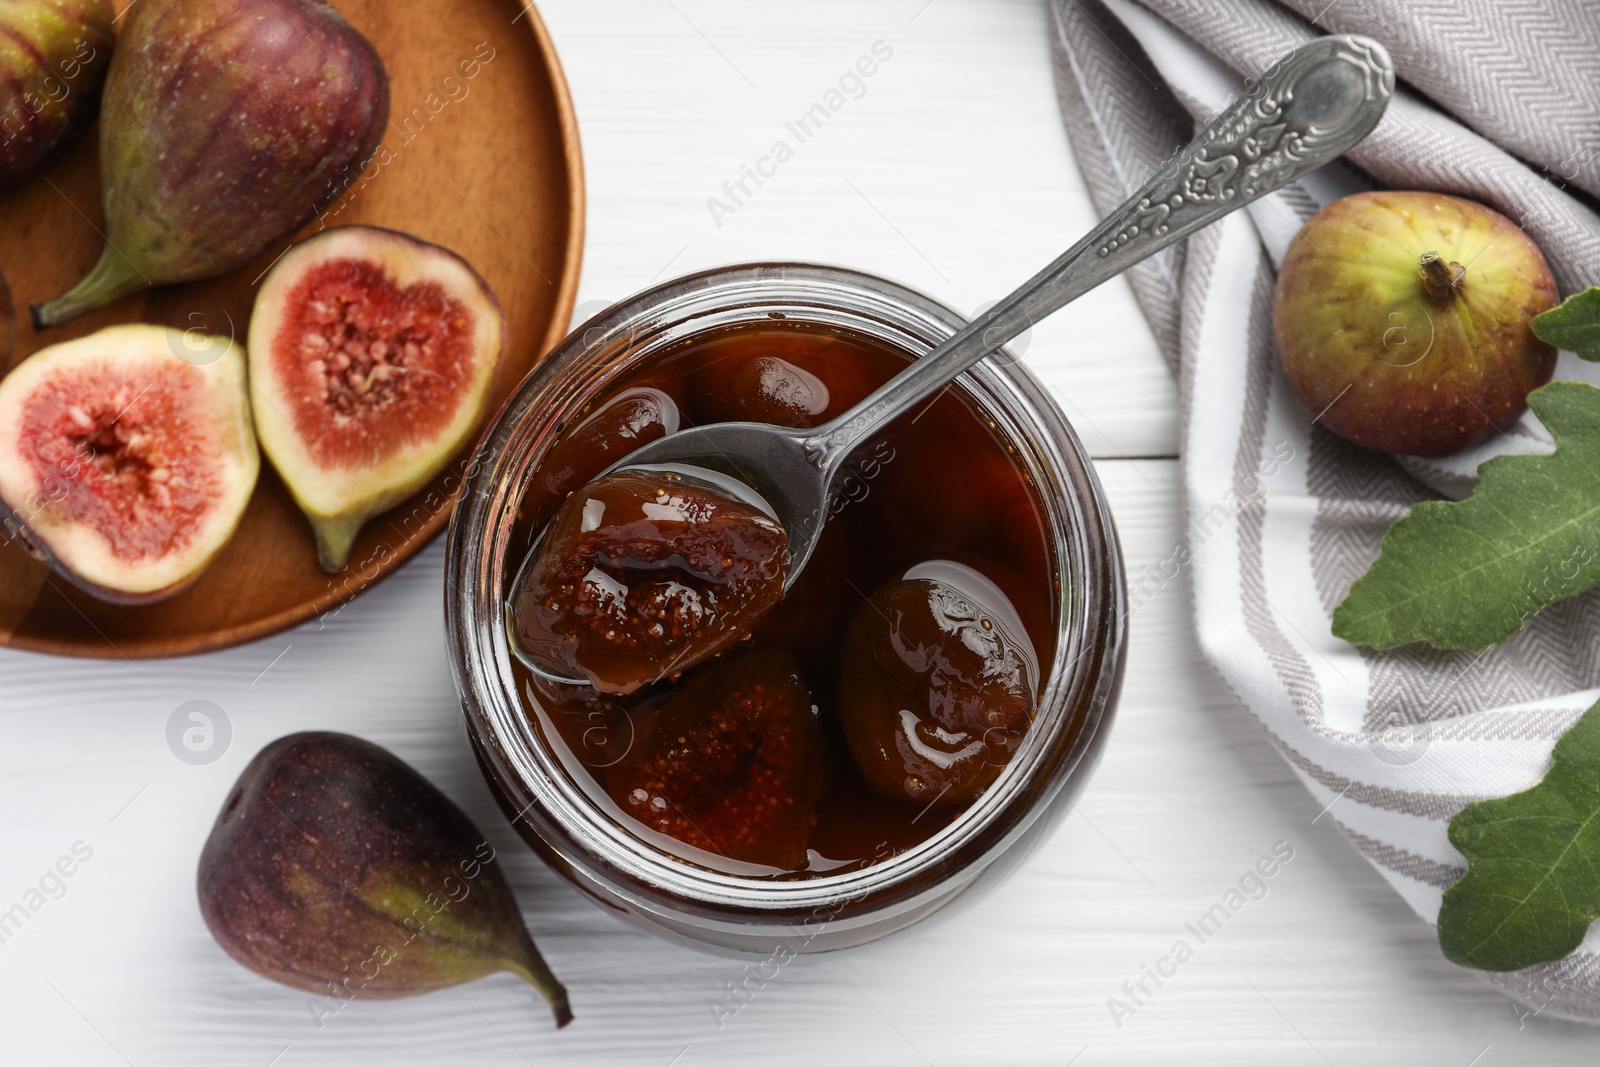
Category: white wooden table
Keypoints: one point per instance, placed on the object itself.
(951, 173)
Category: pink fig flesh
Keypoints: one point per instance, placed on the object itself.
(226, 125)
(371, 358)
(335, 867)
(53, 57)
(127, 457)
(1403, 320)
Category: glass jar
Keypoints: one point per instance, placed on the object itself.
(667, 895)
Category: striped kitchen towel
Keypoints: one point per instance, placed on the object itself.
(1499, 101)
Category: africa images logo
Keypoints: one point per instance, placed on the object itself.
(51, 885)
(852, 85)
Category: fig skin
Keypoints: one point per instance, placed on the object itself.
(53, 57)
(344, 467)
(1396, 362)
(226, 125)
(84, 427)
(336, 868)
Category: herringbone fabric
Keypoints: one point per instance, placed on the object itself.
(1524, 74)
(1499, 101)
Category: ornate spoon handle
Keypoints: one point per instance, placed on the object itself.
(1309, 108)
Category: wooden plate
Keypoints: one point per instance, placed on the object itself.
(487, 165)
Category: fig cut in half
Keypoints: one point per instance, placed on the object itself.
(371, 357)
(127, 457)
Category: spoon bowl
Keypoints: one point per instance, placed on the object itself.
(765, 465)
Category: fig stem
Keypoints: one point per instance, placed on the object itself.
(531, 968)
(336, 535)
(113, 278)
(1441, 279)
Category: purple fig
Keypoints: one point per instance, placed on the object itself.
(335, 868)
(227, 124)
(53, 57)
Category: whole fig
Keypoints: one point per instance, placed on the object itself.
(53, 57)
(335, 868)
(226, 125)
(1403, 320)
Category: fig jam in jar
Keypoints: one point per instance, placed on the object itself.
(901, 726)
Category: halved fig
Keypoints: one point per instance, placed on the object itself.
(127, 457)
(371, 357)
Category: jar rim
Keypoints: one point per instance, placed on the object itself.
(1077, 699)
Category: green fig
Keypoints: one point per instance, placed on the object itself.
(1404, 321)
(226, 125)
(53, 57)
(335, 868)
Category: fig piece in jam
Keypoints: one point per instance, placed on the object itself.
(733, 762)
(778, 374)
(631, 419)
(936, 684)
(769, 389)
(640, 575)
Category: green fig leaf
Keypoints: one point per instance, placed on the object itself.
(1468, 574)
(1574, 325)
(1532, 885)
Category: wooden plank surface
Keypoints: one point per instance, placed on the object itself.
(958, 147)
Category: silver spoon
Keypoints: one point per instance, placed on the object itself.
(1308, 109)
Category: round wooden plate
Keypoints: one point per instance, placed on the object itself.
(483, 159)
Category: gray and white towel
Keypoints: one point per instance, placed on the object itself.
(1499, 101)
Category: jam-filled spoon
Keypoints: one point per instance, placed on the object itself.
(1308, 109)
